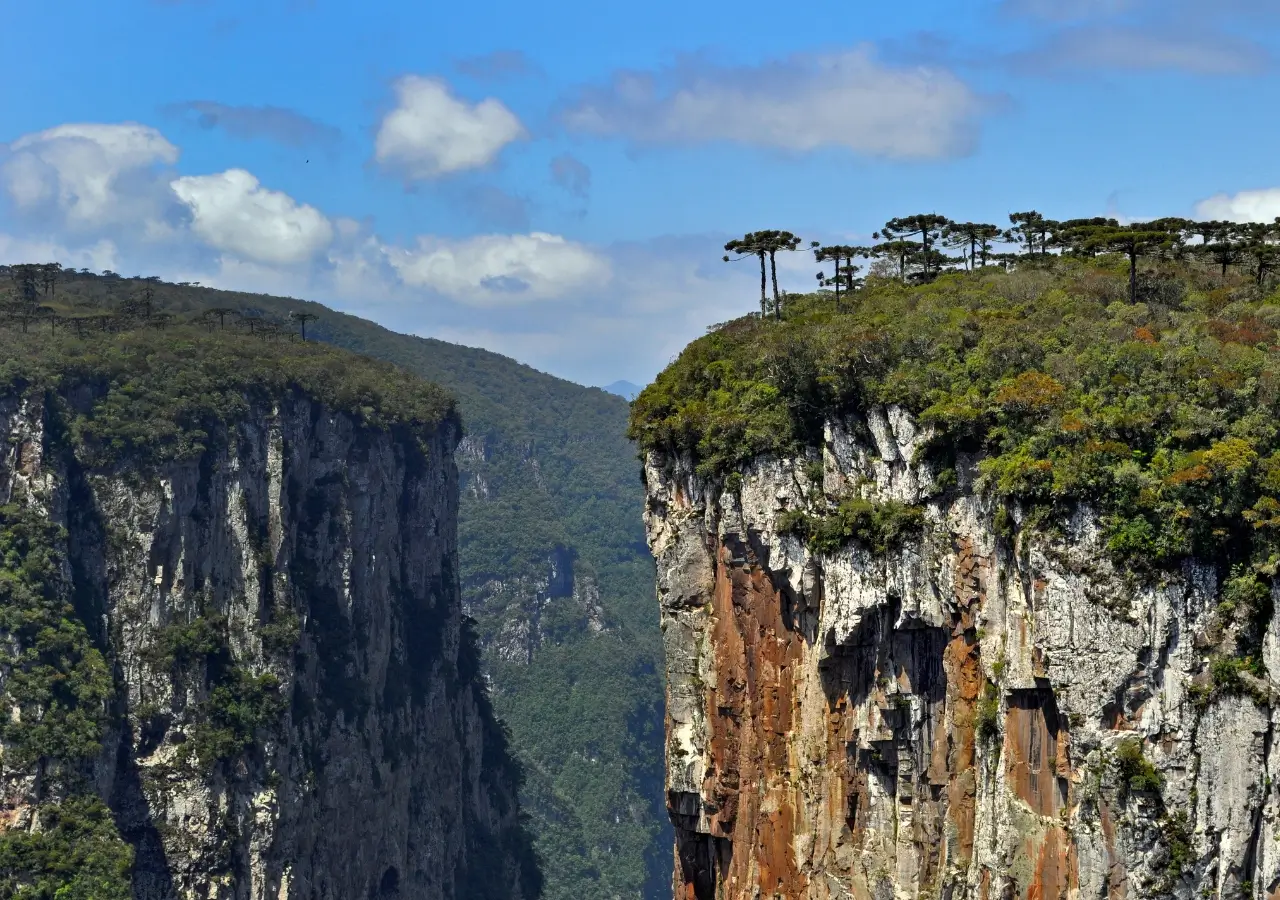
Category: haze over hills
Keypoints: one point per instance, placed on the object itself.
(554, 570)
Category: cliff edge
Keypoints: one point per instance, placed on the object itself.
(235, 662)
(961, 601)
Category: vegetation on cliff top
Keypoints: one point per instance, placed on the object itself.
(157, 394)
(1162, 413)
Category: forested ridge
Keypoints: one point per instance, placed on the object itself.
(547, 474)
(1133, 370)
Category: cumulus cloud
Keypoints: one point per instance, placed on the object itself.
(232, 212)
(1246, 206)
(273, 123)
(1137, 49)
(499, 269)
(432, 133)
(91, 175)
(848, 100)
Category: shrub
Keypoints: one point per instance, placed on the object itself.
(1136, 771)
(987, 714)
(881, 526)
(76, 854)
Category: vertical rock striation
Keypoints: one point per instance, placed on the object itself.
(297, 708)
(977, 710)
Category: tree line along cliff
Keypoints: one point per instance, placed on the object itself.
(968, 586)
(235, 662)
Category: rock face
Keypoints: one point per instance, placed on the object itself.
(982, 711)
(312, 558)
(517, 608)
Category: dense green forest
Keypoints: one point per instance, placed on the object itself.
(1144, 383)
(548, 476)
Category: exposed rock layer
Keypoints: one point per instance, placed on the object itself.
(950, 718)
(328, 548)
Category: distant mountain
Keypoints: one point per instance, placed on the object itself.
(554, 569)
(624, 389)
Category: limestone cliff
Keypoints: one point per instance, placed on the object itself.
(978, 710)
(294, 708)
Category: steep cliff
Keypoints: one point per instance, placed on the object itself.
(554, 570)
(911, 651)
(234, 646)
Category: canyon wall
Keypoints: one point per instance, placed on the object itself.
(295, 706)
(983, 709)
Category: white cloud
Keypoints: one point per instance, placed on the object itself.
(499, 269)
(93, 175)
(803, 103)
(98, 256)
(431, 133)
(232, 212)
(1246, 206)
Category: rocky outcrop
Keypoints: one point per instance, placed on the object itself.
(298, 710)
(982, 710)
(524, 612)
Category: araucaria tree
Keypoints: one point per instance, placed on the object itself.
(1031, 230)
(975, 236)
(302, 318)
(1261, 245)
(842, 255)
(928, 227)
(746, 246)
(774, 242)
(1133, 241)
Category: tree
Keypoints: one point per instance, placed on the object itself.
(774, 242)
(977, 236)
(302, 318)
(222, 312)
(842, 255)
(146, 296)
(1072, 236)
(1219, 241)
(26, 276)
(927, 226)
(1032, 230)
(895, 250)
(1260, 245)
(1131, 240)
(49, 275)
(48, 312)
(746, 246)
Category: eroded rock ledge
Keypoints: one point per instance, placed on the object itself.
(980, 712)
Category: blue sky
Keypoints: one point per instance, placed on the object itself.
(554, 181)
